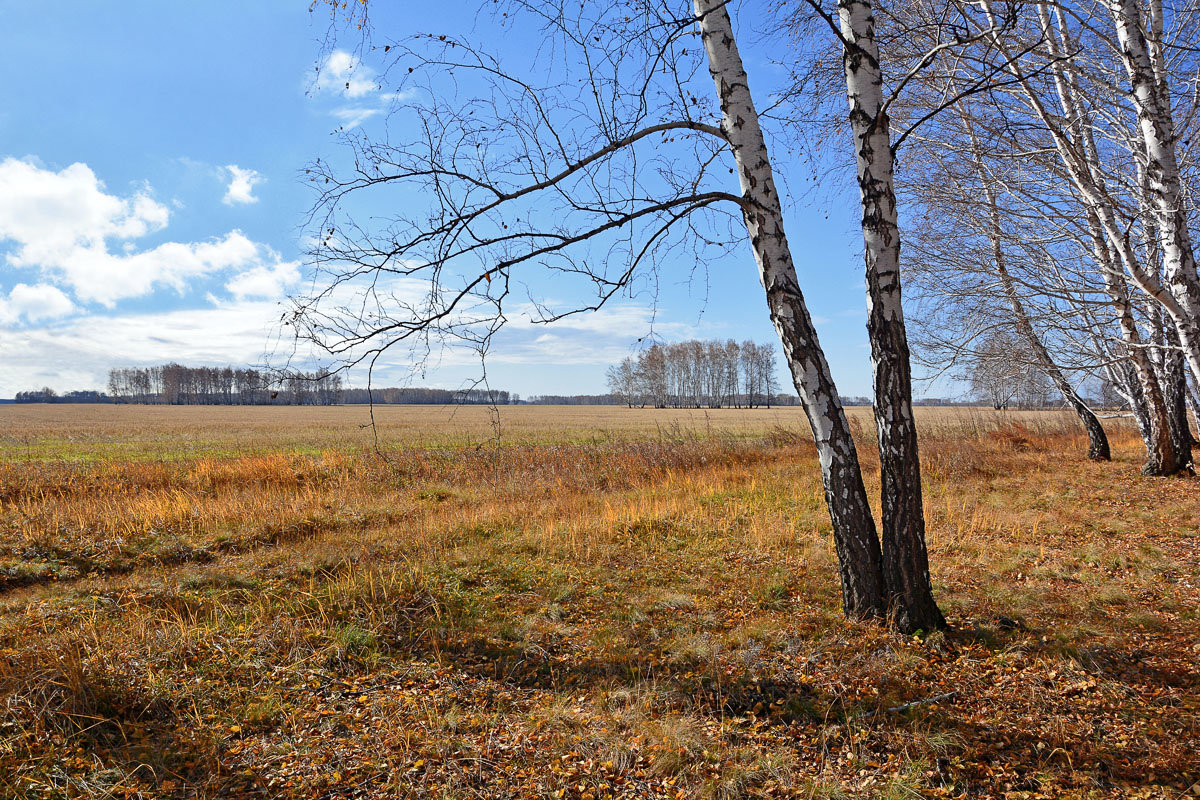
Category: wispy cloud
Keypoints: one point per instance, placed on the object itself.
(353, 116)
(271, 281)
(68, 353)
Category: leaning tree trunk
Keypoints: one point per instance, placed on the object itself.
(905, 561)
(1081, 159)
(1098, 449)
(855, 539)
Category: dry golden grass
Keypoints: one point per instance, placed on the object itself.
(602, 602)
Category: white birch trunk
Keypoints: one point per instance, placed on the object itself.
(905, 561)
(855, 537)
(1081, 162)
(1151, 97)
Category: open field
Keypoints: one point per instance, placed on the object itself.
(600, 602)
(76, 433)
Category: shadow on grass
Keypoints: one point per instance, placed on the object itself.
(112, 735)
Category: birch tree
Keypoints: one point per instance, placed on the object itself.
(1077, 135)
(1073, 136)
(962, 187)
(1142, 53)
(524, 177)
(906, 563)
(871, 91)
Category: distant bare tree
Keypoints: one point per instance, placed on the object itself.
(1004, 372)
(623, 381)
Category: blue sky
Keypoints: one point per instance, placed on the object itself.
(151, 204)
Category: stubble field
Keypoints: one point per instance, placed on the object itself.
(576, 602)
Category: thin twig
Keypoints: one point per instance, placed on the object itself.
(904, 707)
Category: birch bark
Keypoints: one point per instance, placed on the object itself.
(855, 537)
(1077, 152)
(905, 560)
(1151, 97)
(1160, 456)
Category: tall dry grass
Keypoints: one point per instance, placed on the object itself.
(577, 613)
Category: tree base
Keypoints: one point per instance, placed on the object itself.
(1152, 469)
(910, 622)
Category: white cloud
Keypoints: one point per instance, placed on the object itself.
(268, 281)
(98, 276)
(241, 185)
(63, 224)
(71, 355)
(345, 74)
(50, 215)
(34, 303)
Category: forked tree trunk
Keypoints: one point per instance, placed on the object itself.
(1169, 363)
(855, 538)
(1125, 379)
(905, 561)
(1160, 449)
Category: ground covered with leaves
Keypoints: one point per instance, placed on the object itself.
(652, 613)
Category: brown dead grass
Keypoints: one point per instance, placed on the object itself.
(253, 602)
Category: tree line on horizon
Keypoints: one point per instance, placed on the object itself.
(175, 384)
(415, 395)
(697, 374)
